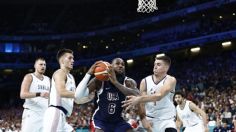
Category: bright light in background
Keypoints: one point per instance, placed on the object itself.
(160, 55)
(7, 70)
(233, 14)
(8, 47)
(130, 61)
(85, 47)
(11, 47)
(226, 44)
(195, 50)
(107, 47)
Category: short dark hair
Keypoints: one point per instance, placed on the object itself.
(165, 58)
(116, 59)
(179, 93)
(39, 58)
(61, 52)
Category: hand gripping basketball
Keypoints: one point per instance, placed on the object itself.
(101, 71)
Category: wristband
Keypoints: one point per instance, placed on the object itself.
(37, 94)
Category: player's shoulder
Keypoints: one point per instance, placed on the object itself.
(29, 75)
(131, 83)
(147, 77)
(130, 79)
(59, 73)
(191, 105)
(171, 78)
(190, 102)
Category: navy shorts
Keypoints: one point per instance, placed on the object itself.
(121, 126)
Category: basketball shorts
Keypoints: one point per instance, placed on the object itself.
(55, 121)
(32, 121)
(121, 126)
(162, 125)
(195, 128)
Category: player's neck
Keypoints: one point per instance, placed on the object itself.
(38, 75)
(66, 70)
(182, 104)
(159, 77)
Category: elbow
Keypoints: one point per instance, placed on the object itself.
(22, 96)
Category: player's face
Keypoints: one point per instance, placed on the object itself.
(178, 99)
(119, 66)
(40, 66)
(159, 67)
(68, 60)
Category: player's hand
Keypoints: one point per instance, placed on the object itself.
(147, 125)
(112, 74)
(92, 68)
(44, 95)
(131, 101)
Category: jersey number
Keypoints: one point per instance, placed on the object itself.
(111, 108)
(155, 103)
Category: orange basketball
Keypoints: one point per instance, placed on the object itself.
(101, 71)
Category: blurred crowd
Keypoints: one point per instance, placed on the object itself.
(94, 47)
(64, 18)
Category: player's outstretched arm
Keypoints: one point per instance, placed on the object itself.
(179, 123)
(165, 89)
(82, 90)
(200, 112)
(130, 89)
(142, 112)
(60, 84)
(25, 86)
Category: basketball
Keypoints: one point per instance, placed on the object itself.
(101, 72)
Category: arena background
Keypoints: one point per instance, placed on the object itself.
(105, 29)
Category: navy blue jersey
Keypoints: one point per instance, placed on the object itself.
(108, 103)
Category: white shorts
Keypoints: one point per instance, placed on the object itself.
(196, 128)
(55, 121)
(32, 121)
(161, 125)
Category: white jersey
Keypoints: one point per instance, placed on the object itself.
(163, 109)
(188, 117)
(56, 100)
(37, 85)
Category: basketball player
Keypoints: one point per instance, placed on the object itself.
(157, 93)
(62, 94)
(189, 115)
(109, 95)
(34, 89)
